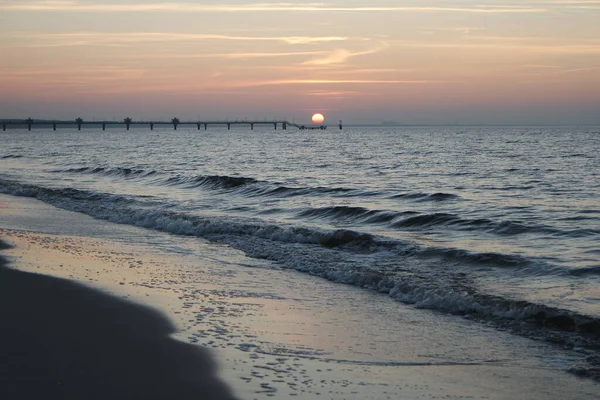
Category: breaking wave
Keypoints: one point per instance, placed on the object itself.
(403, 270)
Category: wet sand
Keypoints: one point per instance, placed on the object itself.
(62, 340)
(271, 333)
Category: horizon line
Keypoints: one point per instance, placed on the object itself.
(346, 124)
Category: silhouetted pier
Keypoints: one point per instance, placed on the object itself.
(30, 123)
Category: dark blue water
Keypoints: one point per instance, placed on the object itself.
(496, 224)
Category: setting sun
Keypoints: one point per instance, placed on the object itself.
(318, 118)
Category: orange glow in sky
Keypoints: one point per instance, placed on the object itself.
(413, 62)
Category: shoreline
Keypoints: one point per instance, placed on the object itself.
(282, 333)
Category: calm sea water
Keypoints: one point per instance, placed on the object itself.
(500, 225)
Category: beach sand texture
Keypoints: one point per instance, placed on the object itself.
(76, 322)
(62, 340)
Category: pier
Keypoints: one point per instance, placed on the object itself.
(80, 123)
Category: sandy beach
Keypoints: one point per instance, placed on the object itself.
(86, 306)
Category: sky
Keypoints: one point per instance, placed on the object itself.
(411, 62)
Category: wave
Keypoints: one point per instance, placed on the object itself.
(117, 171)
(244, 185)
(104, 206)
(411, 220)
(426, 196)
(285, 191)
(592, 270)
(7, 156)
(210, 181)
(347, 213)
(426, 277)
(503, 228)
(247, 186)
(511, 188)
(149, 213)
(460, 256)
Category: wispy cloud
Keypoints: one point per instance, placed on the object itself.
(77, 6)
(235, 55)
(540, 66)
(460, 29)
(340, 56)
(327, 93)
(543, 45)
(95, 73)
(341, 81)
(101, 38)
(552, 71)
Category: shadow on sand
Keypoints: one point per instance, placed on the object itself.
(61, 340)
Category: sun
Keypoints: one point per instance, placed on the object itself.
(318, 118)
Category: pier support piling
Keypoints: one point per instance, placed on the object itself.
(205, 126)
(251, 127)
(228, 127)
(151, 126)
(54, 126)
(3, 127)
(103, 127)
(275, 125)
(284, 126)
(198, 126)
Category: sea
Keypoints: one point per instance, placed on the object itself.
(499, 225)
